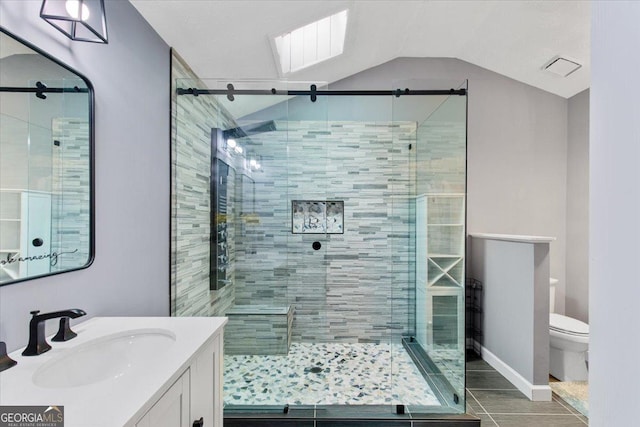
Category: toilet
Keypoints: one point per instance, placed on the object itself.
(568, 343)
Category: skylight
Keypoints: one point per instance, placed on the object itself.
(312, 44)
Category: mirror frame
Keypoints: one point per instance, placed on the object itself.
(91, 93)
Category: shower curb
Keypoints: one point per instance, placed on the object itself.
(345, 417)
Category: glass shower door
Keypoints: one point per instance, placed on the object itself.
(35, 234)
(271, 179)
(253, 161)
(309, 241)
(437, 338)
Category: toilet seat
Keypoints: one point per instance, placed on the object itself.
(568, 325)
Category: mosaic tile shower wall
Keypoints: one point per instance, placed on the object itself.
(356, 288)
(70, 192)
(193, 119)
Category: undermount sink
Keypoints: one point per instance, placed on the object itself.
(106, 358)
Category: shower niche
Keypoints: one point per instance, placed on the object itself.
(317, 217)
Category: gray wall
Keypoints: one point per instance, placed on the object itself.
(614, 204)
(130, 274)
(577, 278)
(517, 149)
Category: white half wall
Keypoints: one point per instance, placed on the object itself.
(514, 272)
(130, 274)
(614, 223)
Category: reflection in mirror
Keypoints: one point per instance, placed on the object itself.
(45, 165)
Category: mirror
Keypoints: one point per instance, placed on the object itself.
(46, 158)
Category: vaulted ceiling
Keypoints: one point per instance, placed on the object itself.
(232, 39)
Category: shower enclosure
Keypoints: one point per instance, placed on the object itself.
(328, 226)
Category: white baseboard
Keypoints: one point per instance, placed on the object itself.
(536, 393)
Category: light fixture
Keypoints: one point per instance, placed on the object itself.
(82, 20)
(76, 8)
(254, 163)
(231, 143)
(239, 149)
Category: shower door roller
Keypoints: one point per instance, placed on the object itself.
(316, 245)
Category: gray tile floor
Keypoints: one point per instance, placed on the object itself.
(497, 402)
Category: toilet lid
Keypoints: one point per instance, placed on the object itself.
(568, 325)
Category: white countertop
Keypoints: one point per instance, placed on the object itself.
(111, 402)
(513, 238)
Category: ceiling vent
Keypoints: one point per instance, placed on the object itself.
(561, 66)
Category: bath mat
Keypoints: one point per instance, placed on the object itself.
(575, 393)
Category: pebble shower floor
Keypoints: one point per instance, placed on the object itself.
(327, 374)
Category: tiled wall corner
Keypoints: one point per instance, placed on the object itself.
(192, 121)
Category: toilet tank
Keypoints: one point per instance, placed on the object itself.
(552, 294)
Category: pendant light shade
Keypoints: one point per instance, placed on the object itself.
(82, 20)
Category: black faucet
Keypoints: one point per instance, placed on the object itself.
(5, 361)
(37, 342)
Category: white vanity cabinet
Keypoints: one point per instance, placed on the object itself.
(195, 398)
(172, 409)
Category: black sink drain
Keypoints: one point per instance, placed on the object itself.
(315, 369)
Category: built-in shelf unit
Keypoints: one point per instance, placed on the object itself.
(440, 270)
(24, 216)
